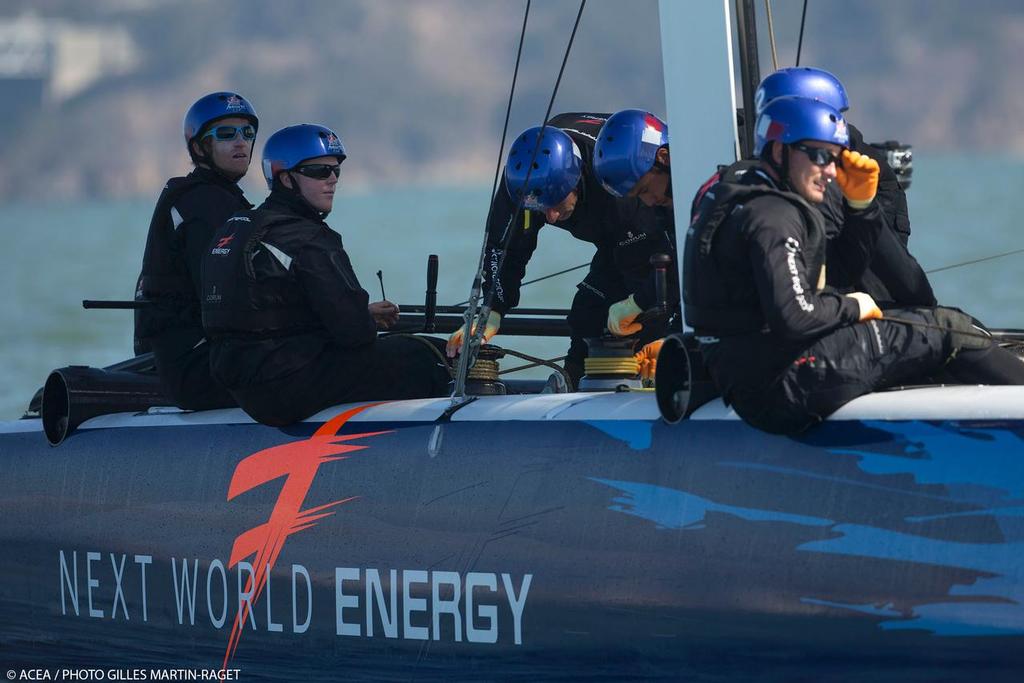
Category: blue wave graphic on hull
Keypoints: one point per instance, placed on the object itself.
(979, 466)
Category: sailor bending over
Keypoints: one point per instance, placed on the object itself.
(785, 350)
(291, 329)
(220, 129)
(561, 190)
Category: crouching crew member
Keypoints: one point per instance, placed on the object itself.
(784, 350)
(220, 129)
(291, 329)
(562, 190)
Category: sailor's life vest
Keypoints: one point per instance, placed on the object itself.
(720, 297)
(249, 287)
(164, 279)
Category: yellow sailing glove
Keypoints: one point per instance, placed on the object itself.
(490, 329)
(869, 310)
(622, 317)
(858, 178)
(647, 358)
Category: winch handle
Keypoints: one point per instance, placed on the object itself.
(661, 263)
(430, 305)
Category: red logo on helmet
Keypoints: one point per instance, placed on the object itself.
(234, 103)
(332, 142)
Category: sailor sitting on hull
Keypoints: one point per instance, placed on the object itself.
(784, 350)
(291, 329)
(562, 190)
(220, 129)
(873, 259)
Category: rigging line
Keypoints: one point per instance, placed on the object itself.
(474, 343)
(800, 40)
(474, 294)
(973, 261)
(510, 234)
(535, 364)
(545, 277)
(771, 34)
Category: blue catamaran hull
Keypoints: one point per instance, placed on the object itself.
(526, 537)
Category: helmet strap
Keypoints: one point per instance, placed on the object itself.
(297, 193)
(781, 170)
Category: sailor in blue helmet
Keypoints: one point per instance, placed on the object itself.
(561, 190)
(893, 277)
(631, 160)
(220, 129)
(784, 349)
(291, 329)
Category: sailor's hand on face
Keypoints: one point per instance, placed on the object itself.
(384, 313)
(622, 317)
(869, 310)
(857, 178)
(647, 358)
(454, 346)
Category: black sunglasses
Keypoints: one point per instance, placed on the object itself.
(225, 133)
(319, 171)
(819, 156)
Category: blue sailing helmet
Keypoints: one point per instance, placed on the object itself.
(801, 81)
(210, 108)
(792, 119)
(289, 147)
(626, 149)
(556, 168)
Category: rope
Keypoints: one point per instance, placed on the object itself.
(973, 261)
(539, 362)
(530, 282)
(771, 34)
(472, 340)
(463, 368)
(800, 41)
(627, 366)
(510, 234)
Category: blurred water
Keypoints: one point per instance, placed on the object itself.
(961, 208)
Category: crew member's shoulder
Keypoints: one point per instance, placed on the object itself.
(205, 200)
(769, 211)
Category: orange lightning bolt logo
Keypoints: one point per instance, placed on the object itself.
(298, 462)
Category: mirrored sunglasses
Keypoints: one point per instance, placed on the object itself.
(226, 133)
(319, 171)
(819, 156)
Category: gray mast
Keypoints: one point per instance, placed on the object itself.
(696, 49)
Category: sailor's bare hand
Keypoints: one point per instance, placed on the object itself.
(384, 313)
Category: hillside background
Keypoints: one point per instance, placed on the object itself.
(417, 88)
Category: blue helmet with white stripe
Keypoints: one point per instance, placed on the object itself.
(555, 172)
(792, 119)
(626, 148)
(289, 147)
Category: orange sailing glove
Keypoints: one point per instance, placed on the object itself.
(869, 310)
(647, 358)
(857, 178)
(622, 317)
(490, 329)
